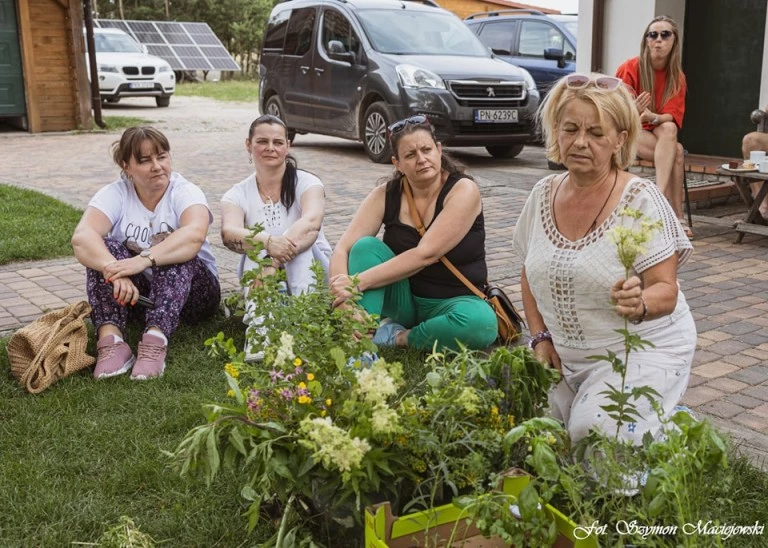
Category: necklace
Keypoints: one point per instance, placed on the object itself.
(266, 197)
(593, 226)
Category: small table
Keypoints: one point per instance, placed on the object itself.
(753, 222)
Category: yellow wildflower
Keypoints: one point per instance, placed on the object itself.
(302, 385)
(310, 377)
(322, 413)
(494, 410)
(231, 393)
(231, 370)
(328, 402)
(297, 362)
(304, 399)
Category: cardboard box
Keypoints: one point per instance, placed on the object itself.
(384, 530)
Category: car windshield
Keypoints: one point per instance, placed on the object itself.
(406, 32)
(116, 43)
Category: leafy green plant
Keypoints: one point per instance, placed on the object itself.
(323, 427)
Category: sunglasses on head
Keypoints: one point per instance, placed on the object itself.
(653, 35)
(581, 81)
(267, 118)
(400, 125)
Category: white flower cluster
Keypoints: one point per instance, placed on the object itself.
(285, 352)
(333, 446)
(376, 384)
(384, 420)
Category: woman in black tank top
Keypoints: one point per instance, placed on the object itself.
(401, 278)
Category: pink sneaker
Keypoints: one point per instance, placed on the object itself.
(151, 360)
(115, 358)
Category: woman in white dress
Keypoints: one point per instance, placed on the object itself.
(288, 202)
(574, 292)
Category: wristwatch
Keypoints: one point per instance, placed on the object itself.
(147, 254)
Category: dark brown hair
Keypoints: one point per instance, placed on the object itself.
(129, 145)
(447, 163)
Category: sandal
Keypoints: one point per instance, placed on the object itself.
(686, 228)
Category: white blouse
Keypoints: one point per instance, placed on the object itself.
(571, 280)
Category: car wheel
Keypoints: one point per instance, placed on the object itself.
(507, 151)
(375, 142)
(112, 100)
(274, 108)
(163, 101)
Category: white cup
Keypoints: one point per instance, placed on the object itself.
(757, 156)
(763, 166)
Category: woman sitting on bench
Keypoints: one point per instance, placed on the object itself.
(657, 80)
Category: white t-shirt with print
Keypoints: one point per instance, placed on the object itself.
(275, 218)
(135, 225)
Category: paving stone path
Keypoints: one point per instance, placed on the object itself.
(726, 284)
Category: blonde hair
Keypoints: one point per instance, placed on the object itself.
(674, 65)
(129, 145)
(617, 104)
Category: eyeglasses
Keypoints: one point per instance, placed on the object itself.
(581, 81)
(653, 35)
(400, 125)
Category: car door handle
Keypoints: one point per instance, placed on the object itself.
(304, 70)
(319, 71)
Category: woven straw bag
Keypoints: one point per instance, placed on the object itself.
(50, 348)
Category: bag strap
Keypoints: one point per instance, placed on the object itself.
(420, 228)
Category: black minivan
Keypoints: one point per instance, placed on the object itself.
(349, 68)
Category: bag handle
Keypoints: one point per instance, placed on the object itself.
(420, 228)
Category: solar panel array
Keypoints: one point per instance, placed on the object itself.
(186, 46)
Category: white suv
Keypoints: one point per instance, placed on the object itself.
(127, 70)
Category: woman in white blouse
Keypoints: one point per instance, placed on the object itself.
(288, 202)
(574, 292)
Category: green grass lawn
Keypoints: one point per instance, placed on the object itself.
(34, 226)
(123, 122)
(229, 90)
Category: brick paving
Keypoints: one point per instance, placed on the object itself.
(726, 284)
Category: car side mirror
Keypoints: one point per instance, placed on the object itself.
(555, 54)
(337, 52)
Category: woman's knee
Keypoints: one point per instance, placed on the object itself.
(366, 253)
(666, 131)
(476, 324)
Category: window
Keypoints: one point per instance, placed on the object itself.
(536, 36)
(275, 36)
(336, 27)
(298, 39)
(498, 36)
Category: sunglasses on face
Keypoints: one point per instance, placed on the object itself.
(653, 35)
(400, 125)
(581, 81)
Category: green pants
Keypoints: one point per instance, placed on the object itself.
(467, 319)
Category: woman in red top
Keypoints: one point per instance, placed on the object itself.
(656, 77)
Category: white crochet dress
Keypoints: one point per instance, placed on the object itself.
(571, 281)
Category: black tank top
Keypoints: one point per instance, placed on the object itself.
(436, 281)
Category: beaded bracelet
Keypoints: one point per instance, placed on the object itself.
(541, 336)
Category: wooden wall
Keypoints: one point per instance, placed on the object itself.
(463, 8)
(56, 83)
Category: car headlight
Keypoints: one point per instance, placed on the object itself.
(417, 77)
(108, 68)
(530, 83)
(164, 68)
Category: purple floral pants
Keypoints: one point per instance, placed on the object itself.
(186, 292)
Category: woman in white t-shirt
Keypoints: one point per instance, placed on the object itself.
(288, 202)
(574, 289)
(145, 235)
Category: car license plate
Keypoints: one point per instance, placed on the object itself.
(495, 116)
(142, 85)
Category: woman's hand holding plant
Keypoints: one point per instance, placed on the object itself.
(341, 288)
(627, 295)
(545, 352)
